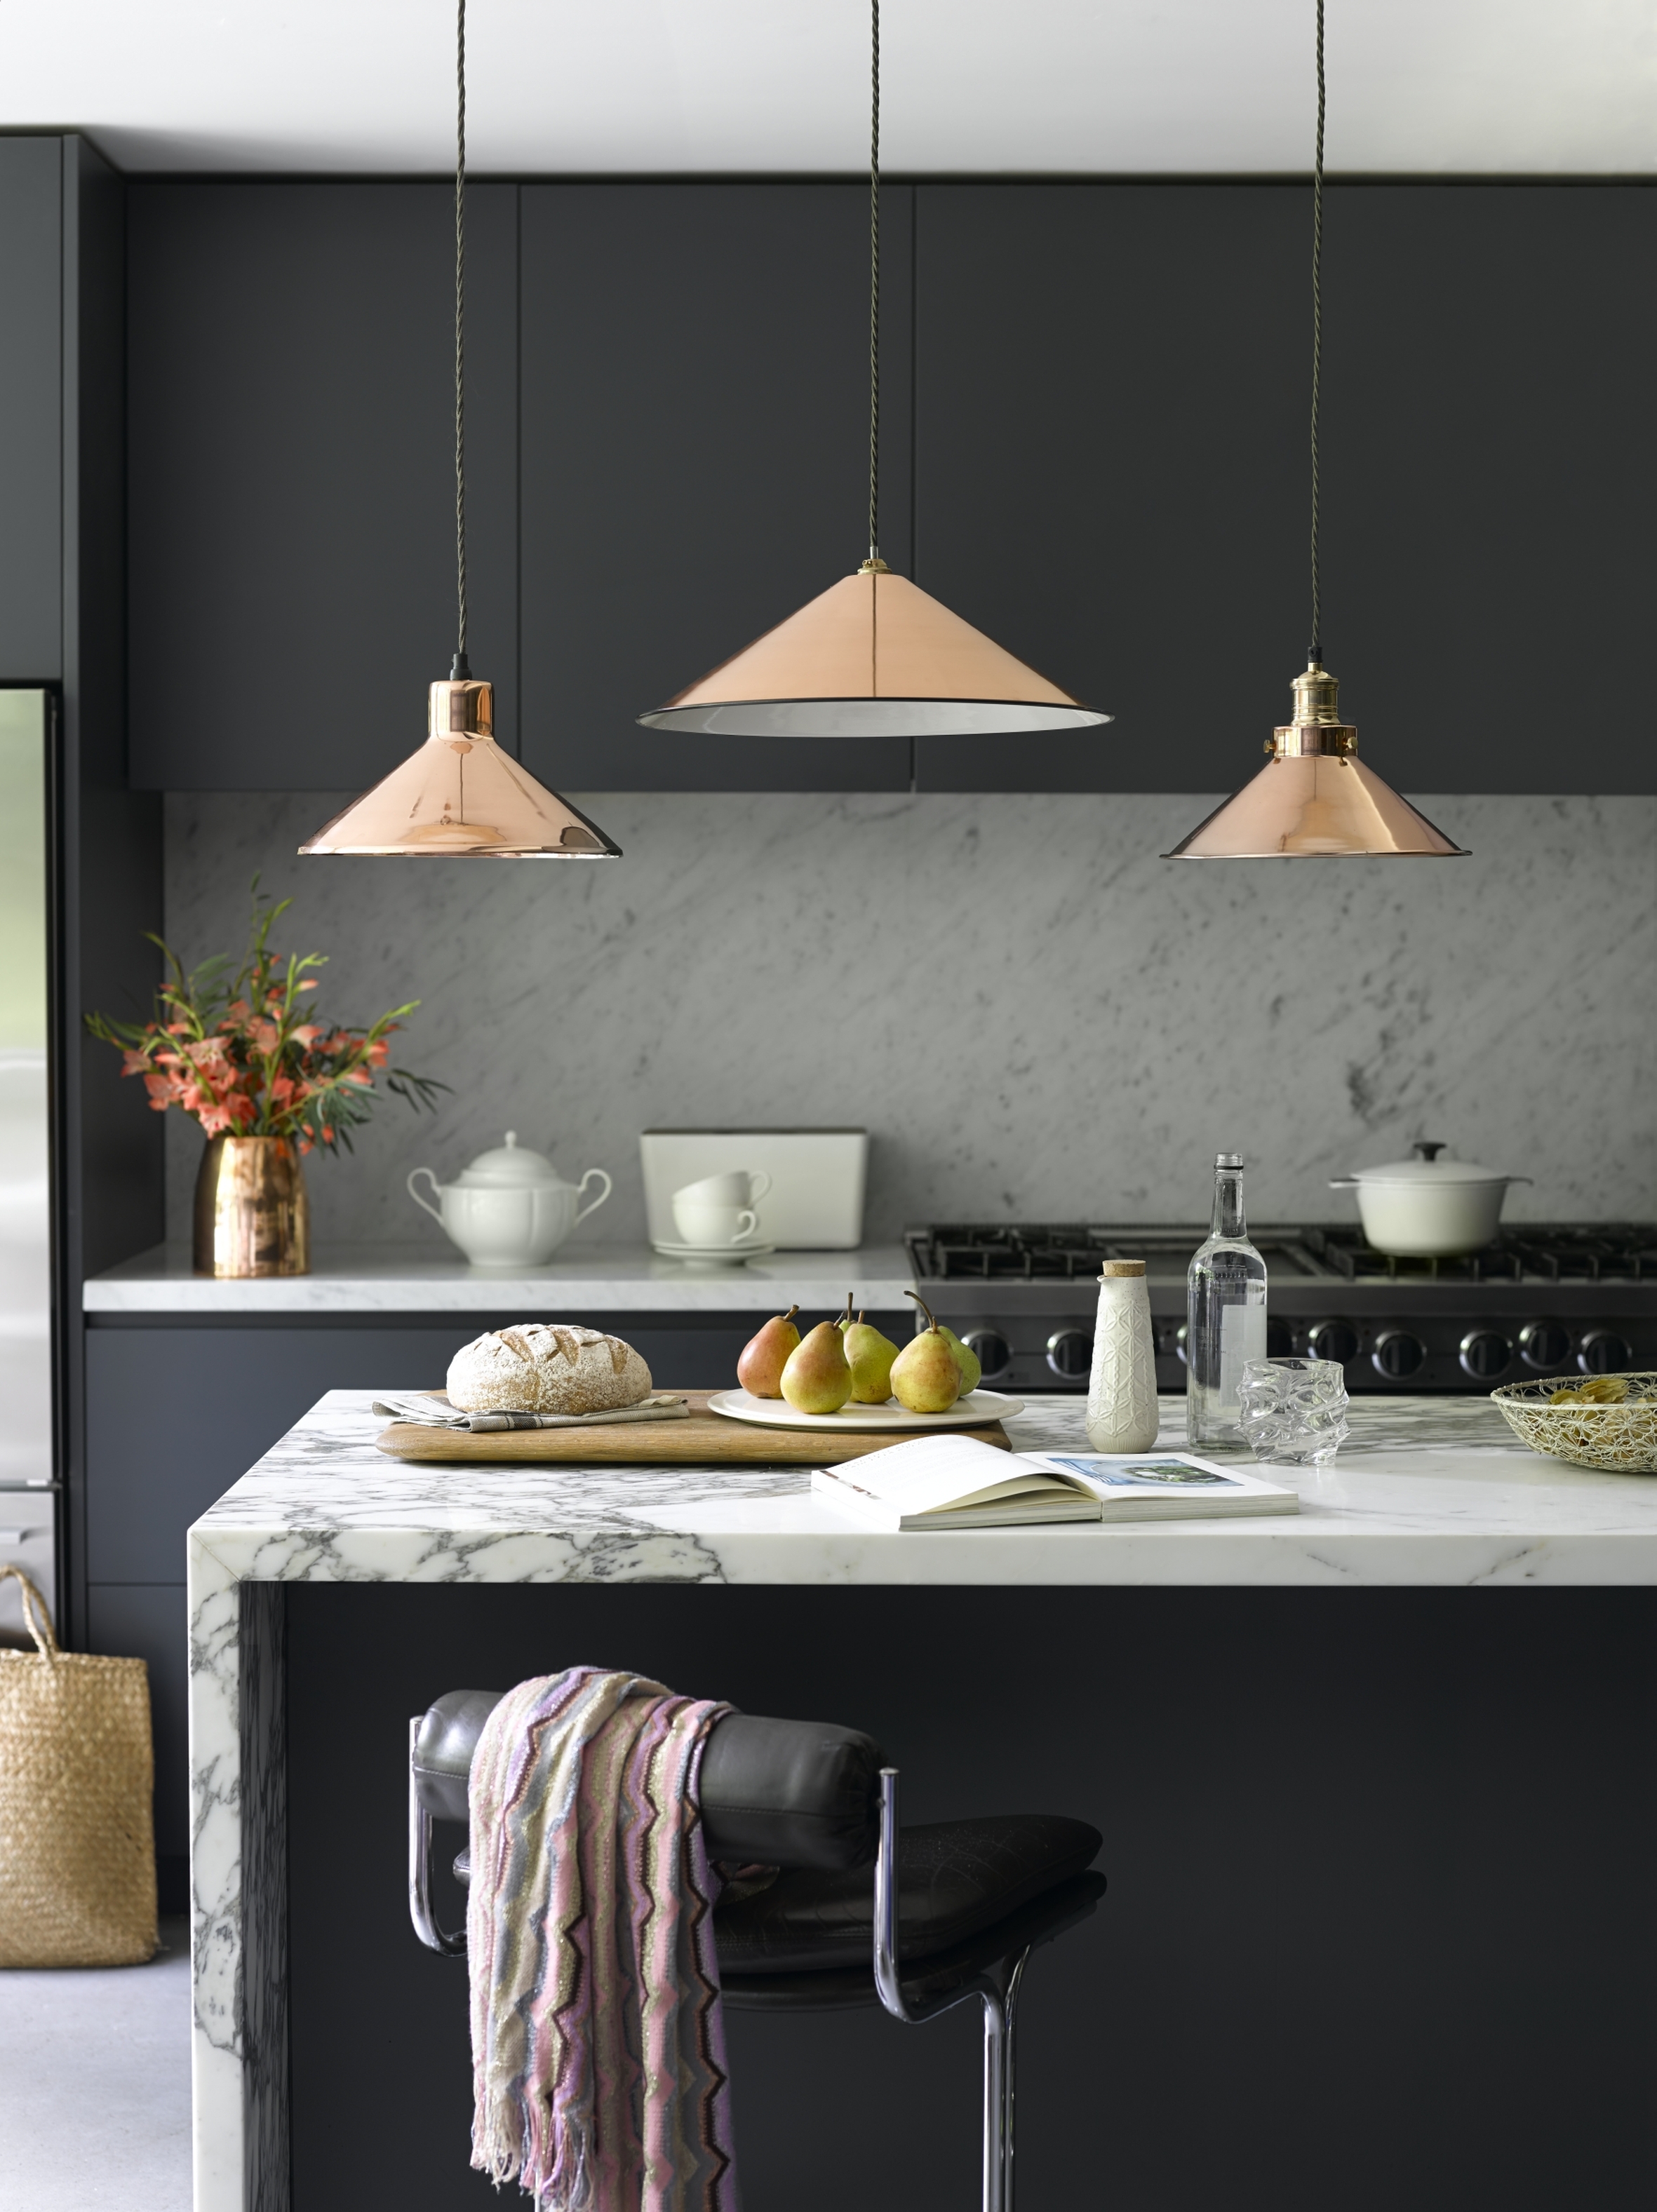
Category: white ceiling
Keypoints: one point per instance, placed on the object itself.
(978, 85)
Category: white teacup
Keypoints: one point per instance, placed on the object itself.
(739, 1186)
(713, 1225)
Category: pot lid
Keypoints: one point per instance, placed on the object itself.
(1427, 1168)
(510, 1166)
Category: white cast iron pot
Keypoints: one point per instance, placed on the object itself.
(510, 1208)
(1428, 1208)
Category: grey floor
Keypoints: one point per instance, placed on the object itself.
(94, 2085)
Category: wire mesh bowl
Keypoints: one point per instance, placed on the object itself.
(1592, 1427)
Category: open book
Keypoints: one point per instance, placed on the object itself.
(957, 1482)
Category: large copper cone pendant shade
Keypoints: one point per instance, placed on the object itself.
(461, 798)
(1314, 797)
(874, 656)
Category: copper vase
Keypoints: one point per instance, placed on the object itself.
(252, 1217)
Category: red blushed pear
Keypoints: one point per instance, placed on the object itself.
(760, 1370)
(817, 1379)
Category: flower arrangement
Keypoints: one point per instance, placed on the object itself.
(245, 1054)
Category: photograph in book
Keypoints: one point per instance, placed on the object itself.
(958, 1482)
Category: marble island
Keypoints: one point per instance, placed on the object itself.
(1427, 1493)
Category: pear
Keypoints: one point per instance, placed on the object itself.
(966, 1359)
(844, 1321)
(815, 1377)
(759, 1371)
(924, 1376)
(871, 1356)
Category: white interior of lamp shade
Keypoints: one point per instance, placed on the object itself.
(871, 718)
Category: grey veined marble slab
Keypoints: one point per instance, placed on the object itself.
(1427, 1491)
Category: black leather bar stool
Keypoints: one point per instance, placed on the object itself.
(951, 1913)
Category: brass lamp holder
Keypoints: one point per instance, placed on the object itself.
(1316, 726)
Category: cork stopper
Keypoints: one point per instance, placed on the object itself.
(1120, 1267)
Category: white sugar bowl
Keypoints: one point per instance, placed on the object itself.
(510, 1208)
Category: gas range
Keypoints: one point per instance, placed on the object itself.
(1547, 1299)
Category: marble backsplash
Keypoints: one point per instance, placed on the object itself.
(1035, 1016)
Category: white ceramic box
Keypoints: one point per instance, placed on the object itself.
(815, 1203)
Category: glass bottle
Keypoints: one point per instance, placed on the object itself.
(1225, 1313)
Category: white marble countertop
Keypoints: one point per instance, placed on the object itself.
(582, 1280)
(1426, 1491)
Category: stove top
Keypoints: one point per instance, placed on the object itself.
(1054, 1252)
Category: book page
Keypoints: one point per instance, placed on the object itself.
(932, 1472)
(1171, 1474)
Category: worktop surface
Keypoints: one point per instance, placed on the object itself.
(1426, 1491)
(583, 1279)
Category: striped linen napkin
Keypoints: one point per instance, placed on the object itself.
(437, 1413)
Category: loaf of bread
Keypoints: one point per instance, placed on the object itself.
(546, 1367)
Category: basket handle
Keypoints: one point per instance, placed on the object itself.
(36, 1617)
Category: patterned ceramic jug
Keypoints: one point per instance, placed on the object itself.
(1122, 1390)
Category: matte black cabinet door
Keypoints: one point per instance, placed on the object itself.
(1111, 399)
(291, 360)
(31, 410)
(695, 456)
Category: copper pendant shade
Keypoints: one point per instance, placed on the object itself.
(1315, 800)
(874, 656)
(460, 797)
(1314, 797)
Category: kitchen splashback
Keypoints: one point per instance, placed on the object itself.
(1035, 1016)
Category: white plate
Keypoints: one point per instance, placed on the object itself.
(727, 1256)
(973, 1411)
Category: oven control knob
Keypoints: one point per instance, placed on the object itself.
(1069, 1353)
(1398, 1354)
(1545, 1344)
(1485, 1354)
(1602, 1352)
(1333, 1339)
(1179, 1343)
(994, 1351)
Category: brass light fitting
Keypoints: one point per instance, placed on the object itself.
(874, 656)
(1314, 797)
(460, 797)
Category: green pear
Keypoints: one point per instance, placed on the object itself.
(844, 1321)
(869, 1356)
(815, 1377)
(966, 1359)
(759, 1371)
(924, 1376)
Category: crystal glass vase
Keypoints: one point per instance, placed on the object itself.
(1294, 1411)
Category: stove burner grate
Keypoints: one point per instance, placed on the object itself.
(1034, 1252)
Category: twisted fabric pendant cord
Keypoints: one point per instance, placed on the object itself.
(875, 286)
(1317, 653)
(460, 667)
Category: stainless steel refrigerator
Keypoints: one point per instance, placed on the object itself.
(29, 1492)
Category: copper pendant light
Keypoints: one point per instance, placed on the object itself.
(1315, 797)
(874, 656)
(460, 797)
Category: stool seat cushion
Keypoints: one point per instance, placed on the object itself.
(945, 1974)
(955, 1877)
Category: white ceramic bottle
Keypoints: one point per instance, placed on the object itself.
(1122, 1388)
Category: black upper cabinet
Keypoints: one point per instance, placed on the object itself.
(695, 455)
(292, 492)
(31, 410)
(1113, 384)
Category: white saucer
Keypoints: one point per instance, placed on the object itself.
(973, 1411)
(723, 1255)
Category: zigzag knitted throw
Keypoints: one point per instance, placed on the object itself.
(598, 2048)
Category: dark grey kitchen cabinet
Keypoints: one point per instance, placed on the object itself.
(290, 389)
(695, 461)
(1111, 399)
(30, 409)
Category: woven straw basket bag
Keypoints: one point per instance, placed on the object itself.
(77, 1845)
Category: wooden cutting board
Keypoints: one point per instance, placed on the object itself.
(702, 1439)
